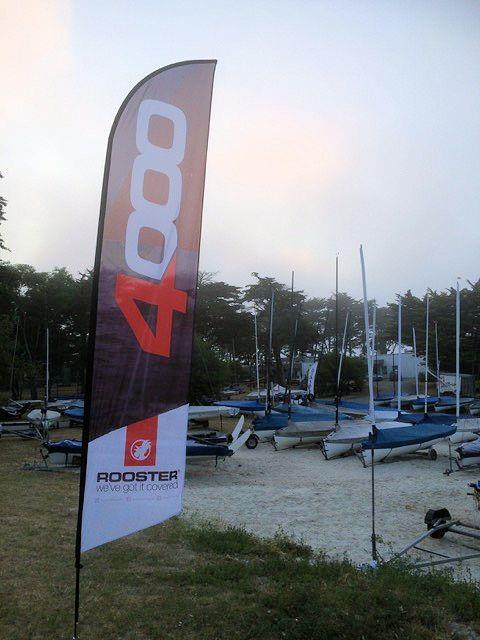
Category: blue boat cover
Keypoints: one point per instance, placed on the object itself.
(64, 446)
(303, 413)
(449, 401)
(241, 405)
(271, 421)
(195, 449)
(356, 406)
(280, 420)
(405, 436)
(422, 418)
(75, 414)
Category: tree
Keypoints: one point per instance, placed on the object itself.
(209, 371)
(287, 309)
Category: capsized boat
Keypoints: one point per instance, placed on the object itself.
(392, 443)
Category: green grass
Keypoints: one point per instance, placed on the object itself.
(196, 580)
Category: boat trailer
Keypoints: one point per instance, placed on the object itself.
(439, 522)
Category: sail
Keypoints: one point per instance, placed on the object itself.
(146, 266)
(312, 372)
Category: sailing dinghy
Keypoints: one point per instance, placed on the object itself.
(200, 447)
(392, 443)
(244, 406)
(297, 432)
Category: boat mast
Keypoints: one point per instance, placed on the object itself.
(399, 364)
(416, 363)
(336, 340)
(374, 336)
(292, 350)
(268, 399)
(256, 355)
(457, 351)
(437, 359)
(339, 373)
(368, 345)
(292, 362)
(426, 353)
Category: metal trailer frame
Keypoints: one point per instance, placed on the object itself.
(29, 432)
(439, 522)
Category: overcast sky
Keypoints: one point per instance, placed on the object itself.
(333, 123)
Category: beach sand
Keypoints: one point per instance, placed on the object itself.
(327, 504)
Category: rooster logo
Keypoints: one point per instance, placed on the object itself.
(140, 449)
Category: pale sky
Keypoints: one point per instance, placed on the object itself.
(333, 124)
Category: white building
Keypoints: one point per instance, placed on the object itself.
(385, 364)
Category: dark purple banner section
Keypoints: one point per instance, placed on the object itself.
(147, 257)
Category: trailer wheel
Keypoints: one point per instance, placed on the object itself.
(252, 441)
(434, 517)
(432, 454)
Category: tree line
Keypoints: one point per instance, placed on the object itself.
(224, 345)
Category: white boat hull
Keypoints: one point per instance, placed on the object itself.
(45, 419)
(349, 438)
(210, 413)
(333, 450)
(471, 461)
(389, 453)
(265, 436)
(451, 407)
(289, 441)
(382, 454)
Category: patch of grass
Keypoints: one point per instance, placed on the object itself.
(189, 579)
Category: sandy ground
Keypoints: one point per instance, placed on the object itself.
(327, 503)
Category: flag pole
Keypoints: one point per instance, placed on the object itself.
(137, 109)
